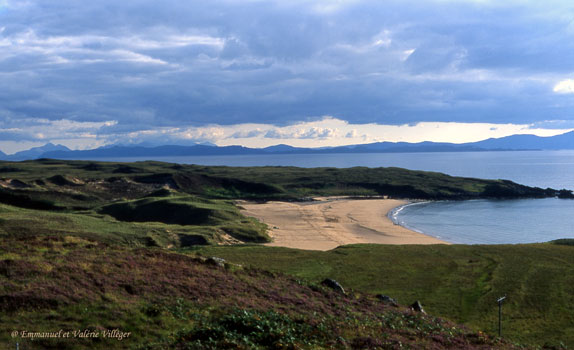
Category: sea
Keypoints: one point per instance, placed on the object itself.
(462, 222)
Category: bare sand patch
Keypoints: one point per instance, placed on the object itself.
(331, 222)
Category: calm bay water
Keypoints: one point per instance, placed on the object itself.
(490, 221)
(468, 222)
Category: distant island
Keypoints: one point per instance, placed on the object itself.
(509, 143)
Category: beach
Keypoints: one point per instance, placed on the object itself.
(329, 222)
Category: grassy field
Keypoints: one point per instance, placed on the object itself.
(458, 282)
(154, 299)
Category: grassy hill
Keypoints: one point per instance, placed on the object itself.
(172, 205)
(84, 184)
(161, 300)
(105, 245)
(458, 282)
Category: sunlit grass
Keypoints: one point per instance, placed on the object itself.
(459, 282)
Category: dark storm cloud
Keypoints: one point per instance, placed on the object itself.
(172, 63)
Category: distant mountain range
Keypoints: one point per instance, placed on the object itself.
(36, 152)
(509, 143)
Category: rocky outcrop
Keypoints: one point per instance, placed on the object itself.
(416, 306)
(387, 300)
(215, 261)
(336, 286)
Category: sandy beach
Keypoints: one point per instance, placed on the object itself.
(330, 222)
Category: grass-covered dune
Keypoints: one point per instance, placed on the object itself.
(458, 282)
(173, 205)
(84, 184)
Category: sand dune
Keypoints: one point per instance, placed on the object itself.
(331, 222)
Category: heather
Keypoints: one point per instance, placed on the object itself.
(169, 300)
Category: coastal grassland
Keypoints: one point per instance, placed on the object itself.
(87, 184)
(177, 221)
(458, 282)
(174, 205)
(166, 300)
(93, 244)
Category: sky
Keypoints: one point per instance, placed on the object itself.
(306, 73)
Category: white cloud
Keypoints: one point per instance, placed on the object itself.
(330, 131)
(56, 127)
(124, 55)
(406, 53)
(61, 42)
(38, 131)
(210, 133)
(89, 49)
(325, 132)
(564, 87)
(383, 38)
(245, 134)
(171, 41)
(330, 6)
(277, 62)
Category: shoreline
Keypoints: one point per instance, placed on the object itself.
(392, 212)
(329, 222)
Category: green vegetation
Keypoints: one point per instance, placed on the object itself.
(222, 222)
(564, 241)
(144, 206)
(102, 245)
(89, 183)
(161, 300)
(392, 182)
(172, 205)
(222, 216)
(458, 282)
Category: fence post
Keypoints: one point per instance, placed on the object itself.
(499, 301)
